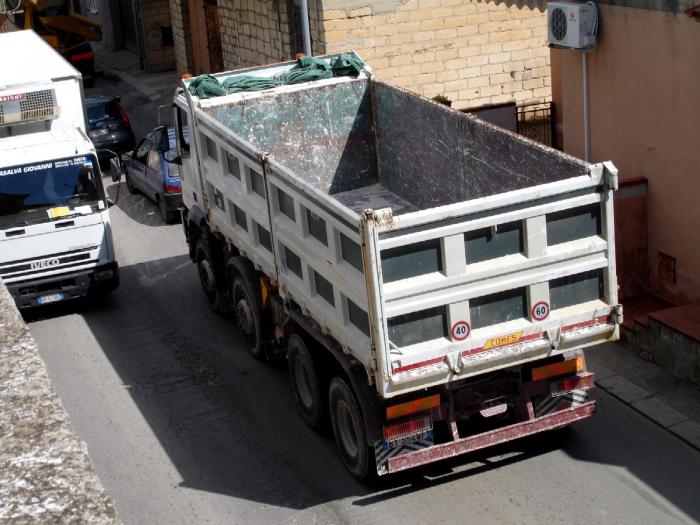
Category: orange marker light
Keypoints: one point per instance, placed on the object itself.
(411, 407)
(558, 369)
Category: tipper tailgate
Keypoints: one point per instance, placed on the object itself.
(493, 282)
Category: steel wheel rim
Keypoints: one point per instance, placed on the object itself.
(346, 429)
(244, 316)
(206, 275)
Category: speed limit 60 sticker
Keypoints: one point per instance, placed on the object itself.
(461, 330)
(540, 311)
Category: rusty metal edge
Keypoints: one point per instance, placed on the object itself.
(491, 438)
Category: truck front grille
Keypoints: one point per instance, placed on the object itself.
(29, 267)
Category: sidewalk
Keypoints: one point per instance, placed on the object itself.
(653, 392)
(670, 402)
(126, 66)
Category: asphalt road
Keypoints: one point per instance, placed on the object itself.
(185, 427)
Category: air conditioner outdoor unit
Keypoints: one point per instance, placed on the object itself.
(572, 24)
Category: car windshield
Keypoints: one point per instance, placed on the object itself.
(30, 193)
(97, 111)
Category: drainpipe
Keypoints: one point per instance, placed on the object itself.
(586, 122)
(305, 27)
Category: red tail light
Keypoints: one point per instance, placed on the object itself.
(172, 189)
(407, 430)
(82, 56)
(582, 382)
(121, 113)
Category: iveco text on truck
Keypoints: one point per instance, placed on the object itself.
(432, 279)
(55, 234)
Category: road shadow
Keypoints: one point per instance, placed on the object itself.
(227, 421)
(135, 206)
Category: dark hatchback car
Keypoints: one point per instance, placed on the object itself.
(109, 127)
(153, 169)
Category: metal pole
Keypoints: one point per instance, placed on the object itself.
(305, 27)
(586, 123)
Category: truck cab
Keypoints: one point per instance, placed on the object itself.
(55, 234)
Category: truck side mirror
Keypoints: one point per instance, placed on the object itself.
(162, 139)
(116, 169)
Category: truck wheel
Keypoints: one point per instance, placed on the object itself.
(305, 382)
(207, 276)
(130, 183)
(246, 308)
(349, 429)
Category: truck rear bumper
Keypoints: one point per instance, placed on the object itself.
(491, 438)
(62, 287)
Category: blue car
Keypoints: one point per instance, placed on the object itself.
(153, 169)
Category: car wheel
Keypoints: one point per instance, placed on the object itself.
(305, 382)
(168, 216)
(246, 309)
(130, 183)
(349, 429)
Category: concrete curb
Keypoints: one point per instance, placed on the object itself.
(46, 475)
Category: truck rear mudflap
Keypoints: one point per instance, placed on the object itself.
(487, 439)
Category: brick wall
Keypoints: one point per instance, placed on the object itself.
(473, 52)
(257, 32)
(156, 15)
(182, 41)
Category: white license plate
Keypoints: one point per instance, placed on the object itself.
(99, 132)
(52, 298)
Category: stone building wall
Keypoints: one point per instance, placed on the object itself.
(159, 53)
(182, 42)
(256, 32)
(473, 52)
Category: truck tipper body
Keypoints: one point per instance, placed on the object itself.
(55, 234)
(431, 278)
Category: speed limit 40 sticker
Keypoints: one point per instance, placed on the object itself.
(540, 311)
(461, 330)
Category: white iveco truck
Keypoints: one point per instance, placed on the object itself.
(431, 278)
(55, 236)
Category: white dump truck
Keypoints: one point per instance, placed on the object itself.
(55, 234)
(431, 279)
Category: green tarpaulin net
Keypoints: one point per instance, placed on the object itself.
(305, 70)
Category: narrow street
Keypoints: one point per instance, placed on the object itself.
(185, 427)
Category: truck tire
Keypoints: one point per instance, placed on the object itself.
(247, 311)
(305, 382)
(349, 430)
(207, 276)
